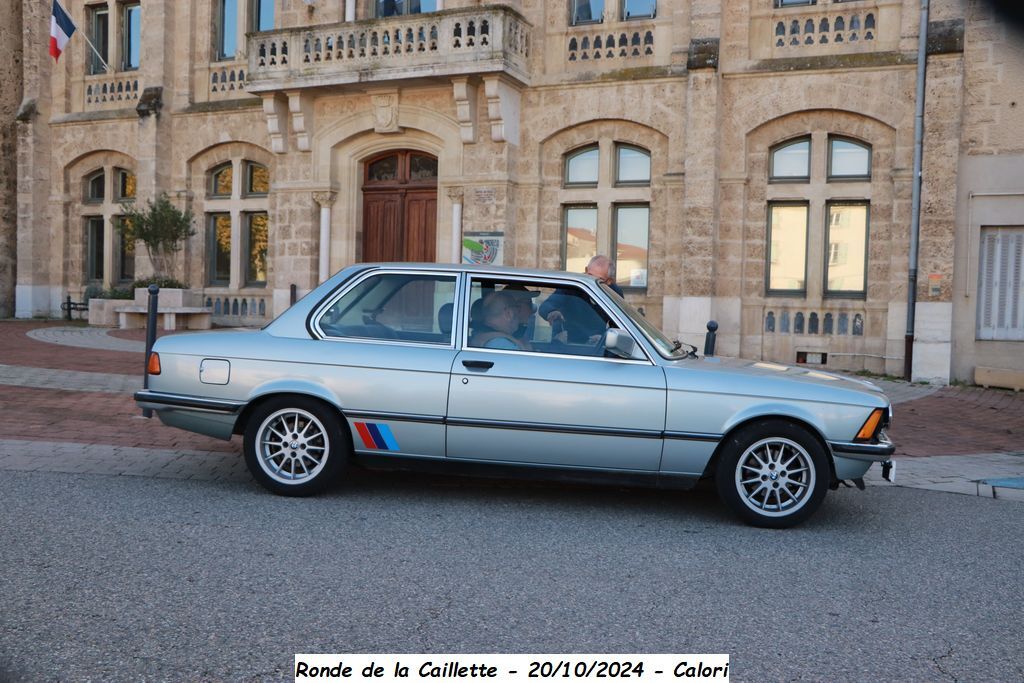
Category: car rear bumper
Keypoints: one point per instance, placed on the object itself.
(156, 400)
(212, 417)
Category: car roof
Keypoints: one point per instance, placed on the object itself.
(482, 270)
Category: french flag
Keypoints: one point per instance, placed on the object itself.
(61, 28)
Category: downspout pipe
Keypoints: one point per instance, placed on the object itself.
(915, 203)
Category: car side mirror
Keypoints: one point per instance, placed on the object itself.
(619, 343)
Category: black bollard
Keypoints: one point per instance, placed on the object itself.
(68, 304)
(709, 338)
(294, 294)
(154, 293)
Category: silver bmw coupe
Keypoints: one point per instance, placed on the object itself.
(509, 372)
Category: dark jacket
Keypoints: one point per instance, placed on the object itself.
(582, 319)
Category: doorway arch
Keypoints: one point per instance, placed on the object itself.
(400, 206)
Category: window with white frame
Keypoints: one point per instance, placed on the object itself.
(1001, 284)
(606, 208)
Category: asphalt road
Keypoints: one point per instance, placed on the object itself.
(122, 578)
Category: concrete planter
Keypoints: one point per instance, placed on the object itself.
(170, 298)
(102, 311)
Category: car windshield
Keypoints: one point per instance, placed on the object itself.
(666, 347)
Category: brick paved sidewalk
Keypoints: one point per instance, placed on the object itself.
(17, 348)
(960, 421)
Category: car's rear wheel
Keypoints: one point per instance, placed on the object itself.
(773, 474)
(295, 446)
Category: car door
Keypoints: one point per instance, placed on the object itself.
(385, 348)
(551, 405)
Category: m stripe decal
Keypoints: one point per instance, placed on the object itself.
(376, 436)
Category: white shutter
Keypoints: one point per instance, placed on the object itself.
(1001, 284)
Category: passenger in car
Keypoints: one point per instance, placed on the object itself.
(500, 322)
(524, 309)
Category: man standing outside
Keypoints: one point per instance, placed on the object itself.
(570, 314)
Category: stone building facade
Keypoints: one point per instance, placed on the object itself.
(10, 99)
(743, 160)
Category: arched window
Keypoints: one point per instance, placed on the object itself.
(125, 187)
(790, 161)
(588, 207)
(96, 187)
(237, 225)
(632, 165)
(221, 180)
(848, 159)
(581, 166)
(257, 179)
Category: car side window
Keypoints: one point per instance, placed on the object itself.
(543, 318)
(409, 307)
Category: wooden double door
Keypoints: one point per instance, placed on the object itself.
(400, 207)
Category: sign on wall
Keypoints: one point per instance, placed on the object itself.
(483, 248)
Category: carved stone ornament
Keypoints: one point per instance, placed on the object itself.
(455, 194)
(385, 113)
(324, 198)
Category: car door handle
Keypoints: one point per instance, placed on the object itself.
(478, 364)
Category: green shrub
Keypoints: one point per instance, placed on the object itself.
(161, 282)
(118, 293)
(162, 228)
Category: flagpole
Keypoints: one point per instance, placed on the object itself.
(96, 52)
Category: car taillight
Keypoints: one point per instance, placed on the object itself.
(153, 366)
(867, 432)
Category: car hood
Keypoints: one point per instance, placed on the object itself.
(765, 378)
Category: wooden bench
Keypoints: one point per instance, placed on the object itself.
(174, 317)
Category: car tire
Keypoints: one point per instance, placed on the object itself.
(772, 473)
(295, 446)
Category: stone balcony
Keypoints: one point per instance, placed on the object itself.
(827, 28)
(491, 40)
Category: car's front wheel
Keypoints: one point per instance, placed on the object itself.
(295, 446)
(773, 473)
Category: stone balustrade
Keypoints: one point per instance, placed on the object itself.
(611, 46)
(475, 40)
(244, 310)
(837, 323)
(227, 81)
(823, 28)
(835, 28)
(112, 91)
